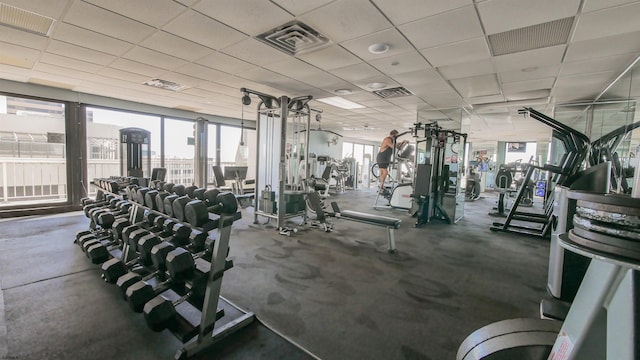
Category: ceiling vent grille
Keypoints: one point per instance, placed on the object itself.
(25, 20)
(165, 84)
(393, 92)
(295, 38)
(531, 37)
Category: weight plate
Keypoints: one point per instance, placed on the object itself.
(606, 248)
(606, 228)
(618, 218)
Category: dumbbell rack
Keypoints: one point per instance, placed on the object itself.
(197, 336)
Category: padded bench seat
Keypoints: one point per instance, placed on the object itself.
(371, 219)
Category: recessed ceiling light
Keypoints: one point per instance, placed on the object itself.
(376, 85)
(343, 92)
(379, 48)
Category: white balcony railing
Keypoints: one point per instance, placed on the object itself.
(33, 180)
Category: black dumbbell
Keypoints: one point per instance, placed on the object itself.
(180, 267)
(159, 254)
(159, 312)
(197, 212)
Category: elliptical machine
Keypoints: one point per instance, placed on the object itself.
(400, 175)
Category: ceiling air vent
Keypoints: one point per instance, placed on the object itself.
(295, 38)
(165, 84)
(25, 20)
(393, 92)
(531, 37)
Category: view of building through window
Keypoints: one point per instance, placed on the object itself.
(32, 151)
(33, 155)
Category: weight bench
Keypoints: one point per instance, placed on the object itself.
(245, 200)
(371, 219)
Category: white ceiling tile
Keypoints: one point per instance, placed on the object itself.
(23, 38)
(123, 75)
(401, 63)
(608, 46)
(530, 74)
(409, 10)
(243, 15)
(457, 71)
(175, 46)
(15, 55)
(503, 15)
(14, 73)
(600, 79)
(581, 87)
(219, 88)
(71, 63)
(51, 80)
(345, 20)
(154, 58)
(50, 8)
(437, 89)
(329, 58)
(594, 5)
(530, 59)
(392, 37)
(137, 67)
(182, 79)
(608, 22)
(89, 39)
(199, 28)
(529, 94)
(596, 65)
(419, 77)
(449, 27)
(200, 71)
(522, 86)
(477, 86)
(488, 99)
(459, 52)
(106, 22)
(152, 12)
(446, 102)
(225, 63)
(299, 7)
(80, 53)
(304, 72)
(255, 52)
(356, 72)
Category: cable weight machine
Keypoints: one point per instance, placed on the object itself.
(283, 136)
(436, 182)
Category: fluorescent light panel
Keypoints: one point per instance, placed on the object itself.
(342, 103)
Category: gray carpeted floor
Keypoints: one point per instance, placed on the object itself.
(340, 295)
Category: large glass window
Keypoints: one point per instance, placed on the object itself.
(33, 166)
(179, 151)
(103, 140)
(347, 149)
(212, 153)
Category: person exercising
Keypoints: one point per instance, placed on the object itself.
(384, 156)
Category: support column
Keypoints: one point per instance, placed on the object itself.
(201, 144)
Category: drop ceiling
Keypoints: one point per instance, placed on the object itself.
(443, 52)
